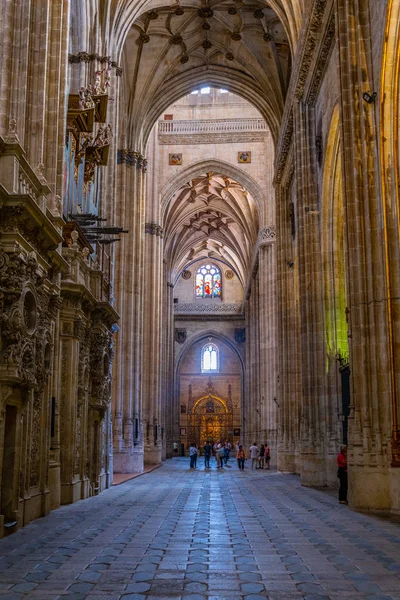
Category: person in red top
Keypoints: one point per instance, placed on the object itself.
(342, 474)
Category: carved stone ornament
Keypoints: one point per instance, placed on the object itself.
(131, 158)
(229, 274)
(180, 335)
(207, 309)
(186, 274)
(154, 229)
(240, 335)
(266, 235)
(87, 58)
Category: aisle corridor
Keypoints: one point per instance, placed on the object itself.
(176, 533)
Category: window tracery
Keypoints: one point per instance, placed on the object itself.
(210, 358)
(208, 282)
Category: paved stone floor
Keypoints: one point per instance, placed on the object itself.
(181, 534)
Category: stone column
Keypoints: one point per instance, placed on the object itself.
(372, 390)
(267, 329)
(152, 343)
(127, 404)
(313, 418)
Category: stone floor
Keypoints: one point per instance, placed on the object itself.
(178, 533)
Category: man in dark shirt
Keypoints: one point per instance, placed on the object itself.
(207, 455)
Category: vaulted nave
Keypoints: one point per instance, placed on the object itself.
(200, 243)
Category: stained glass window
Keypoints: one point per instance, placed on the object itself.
(208, 282)
(209, 358)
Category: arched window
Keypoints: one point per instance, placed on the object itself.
(209, 358)
(208, 282)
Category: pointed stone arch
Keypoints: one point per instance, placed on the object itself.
(218, 166)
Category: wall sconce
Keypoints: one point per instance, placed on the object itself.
(369, 97)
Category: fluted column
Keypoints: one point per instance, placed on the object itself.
(313, 418)
(268, 349)
(152, 343)
(288, 396)
(372, 369)
(127, 402)
(169, 406)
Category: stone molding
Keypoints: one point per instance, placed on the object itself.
(87, 58)
(129, 157)
(318, 40)
(169, 139)
(266, 235)
(154, 229)
(196, 308)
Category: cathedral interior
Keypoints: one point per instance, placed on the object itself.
(199, 240)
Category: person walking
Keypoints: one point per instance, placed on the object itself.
(254, 452)
(261, 457)
(240, 457)
(192, 455)
(267, 456)
(342, 474)
(196, 453)
(207, 455)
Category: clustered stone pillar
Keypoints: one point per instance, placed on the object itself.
(289, 381)
(129, 290)
(154, 431)
(259, 401)
(370, 321)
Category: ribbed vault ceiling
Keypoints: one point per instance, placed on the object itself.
(243, 46)
(212, 215)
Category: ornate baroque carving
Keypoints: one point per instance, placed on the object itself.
(87, 58)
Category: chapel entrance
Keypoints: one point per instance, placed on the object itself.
(210, 420)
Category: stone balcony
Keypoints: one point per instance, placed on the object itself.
(211, 131)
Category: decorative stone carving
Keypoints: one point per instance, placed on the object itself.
(186, 274)
(207, 309)
(86, 57)
(180, 335)
(154, 229)
(240, 335)
(130, 158)
(266, 235)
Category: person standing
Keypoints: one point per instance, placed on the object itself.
(261, 457)
(221, 453)
(240, 457)
(193, 455)
(254, 452)
(196, 453)
(207, 455)
(267, 456)
(227, 451)
(342, 474)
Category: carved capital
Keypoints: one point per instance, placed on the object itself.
(154, 229)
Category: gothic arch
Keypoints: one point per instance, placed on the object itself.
(217, 166)
(203, 335)
(233, 80)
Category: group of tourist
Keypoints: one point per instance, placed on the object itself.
(260, 459)
(221, 451)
